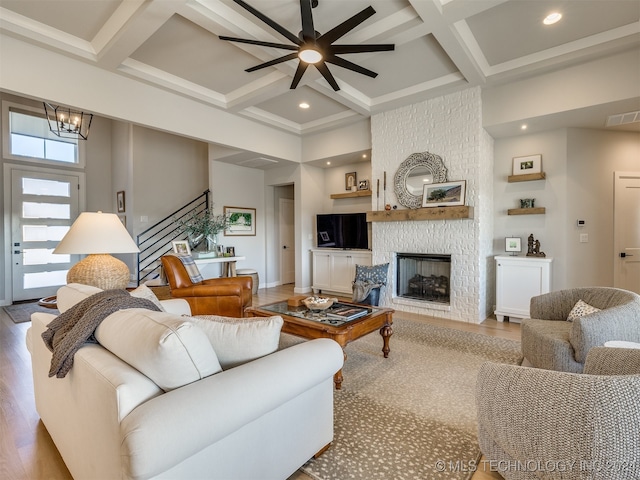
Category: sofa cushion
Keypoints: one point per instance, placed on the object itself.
(72, 293)
(580, 309)
(145, 292)
(169, 349)
(240, 340)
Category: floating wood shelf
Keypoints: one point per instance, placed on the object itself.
(527, 177)
(430, 213)
(357, 193)
(526, 211)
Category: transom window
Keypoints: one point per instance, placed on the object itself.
(28, 137)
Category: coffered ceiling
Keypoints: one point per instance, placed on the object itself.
(440, 46)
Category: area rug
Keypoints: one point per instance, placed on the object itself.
(21, 312)
(412, 415)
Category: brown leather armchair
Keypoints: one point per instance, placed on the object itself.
(227, 296)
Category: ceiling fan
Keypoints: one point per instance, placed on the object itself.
(311, 47)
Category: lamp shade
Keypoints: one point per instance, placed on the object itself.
(97, 232)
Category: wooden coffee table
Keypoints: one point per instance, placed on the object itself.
(303, 323)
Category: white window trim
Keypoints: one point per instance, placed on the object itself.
(6, 140)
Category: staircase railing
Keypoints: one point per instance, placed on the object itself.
(156, 240)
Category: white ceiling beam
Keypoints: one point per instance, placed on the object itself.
(448, 37)
(39, 33)
(129, 27)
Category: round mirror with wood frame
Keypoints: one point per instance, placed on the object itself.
(416, 171)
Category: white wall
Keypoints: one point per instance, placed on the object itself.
(607, 79)
(593, 157)
(234, 186)
(334, 182)
(579, 164)
(117, 97)
(168, 172)
(550, 193)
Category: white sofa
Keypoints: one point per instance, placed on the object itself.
(260, 420)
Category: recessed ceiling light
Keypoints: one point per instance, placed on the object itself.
(328, 163)
(364, 155)
(304, 105)
(552, 18)
(523, 127)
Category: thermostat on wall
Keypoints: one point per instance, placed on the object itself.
(581, 223)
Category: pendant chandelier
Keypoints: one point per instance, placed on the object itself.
(67, 123)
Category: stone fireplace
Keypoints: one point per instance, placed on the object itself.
(424, 277)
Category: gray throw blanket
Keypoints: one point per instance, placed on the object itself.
(362, 288)
(71, 329)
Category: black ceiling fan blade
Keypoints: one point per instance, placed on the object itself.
(302, 67)
(341, 62)
(308, 30)
(346, 26)
(275, 61)
(258, 42)
(277, 27)
(324, 70)
(381, 47)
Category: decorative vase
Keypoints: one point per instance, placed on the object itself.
(212, 241)
(195, 240)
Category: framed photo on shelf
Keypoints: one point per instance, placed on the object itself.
(363, 185)
(242, 221)
(350, 180)
(444, 194)
(528, 164)
(181, 247)
(120, 201)
(513, 245)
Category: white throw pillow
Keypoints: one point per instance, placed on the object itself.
(240, 340)
(580, 309)
(72, 293)
(145, 292)
(165, 347)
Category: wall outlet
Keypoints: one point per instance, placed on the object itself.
(584, 238)
(144, 219)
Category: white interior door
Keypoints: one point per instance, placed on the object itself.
(43, 207)
(287, 241)
(627, 231)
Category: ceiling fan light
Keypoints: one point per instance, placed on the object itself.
(310, 55)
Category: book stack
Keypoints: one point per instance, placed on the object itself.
(346, 312)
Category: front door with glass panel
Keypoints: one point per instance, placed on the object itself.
(44, 205)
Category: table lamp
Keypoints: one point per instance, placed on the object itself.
(98, 234)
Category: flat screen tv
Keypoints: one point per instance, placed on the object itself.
(342, 230)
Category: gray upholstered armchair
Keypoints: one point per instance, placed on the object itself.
(551, 342)
(534, 422)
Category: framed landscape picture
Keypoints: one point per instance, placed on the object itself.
(513, 245)
(528, 164)
(444, 194)
(242, 221)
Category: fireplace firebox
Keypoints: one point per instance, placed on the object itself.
(423, 276)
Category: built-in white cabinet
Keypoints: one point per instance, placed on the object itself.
(334, 270)
(517, 280)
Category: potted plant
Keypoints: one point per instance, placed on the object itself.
(203, 225)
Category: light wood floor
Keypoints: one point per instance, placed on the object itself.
(26, 449)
